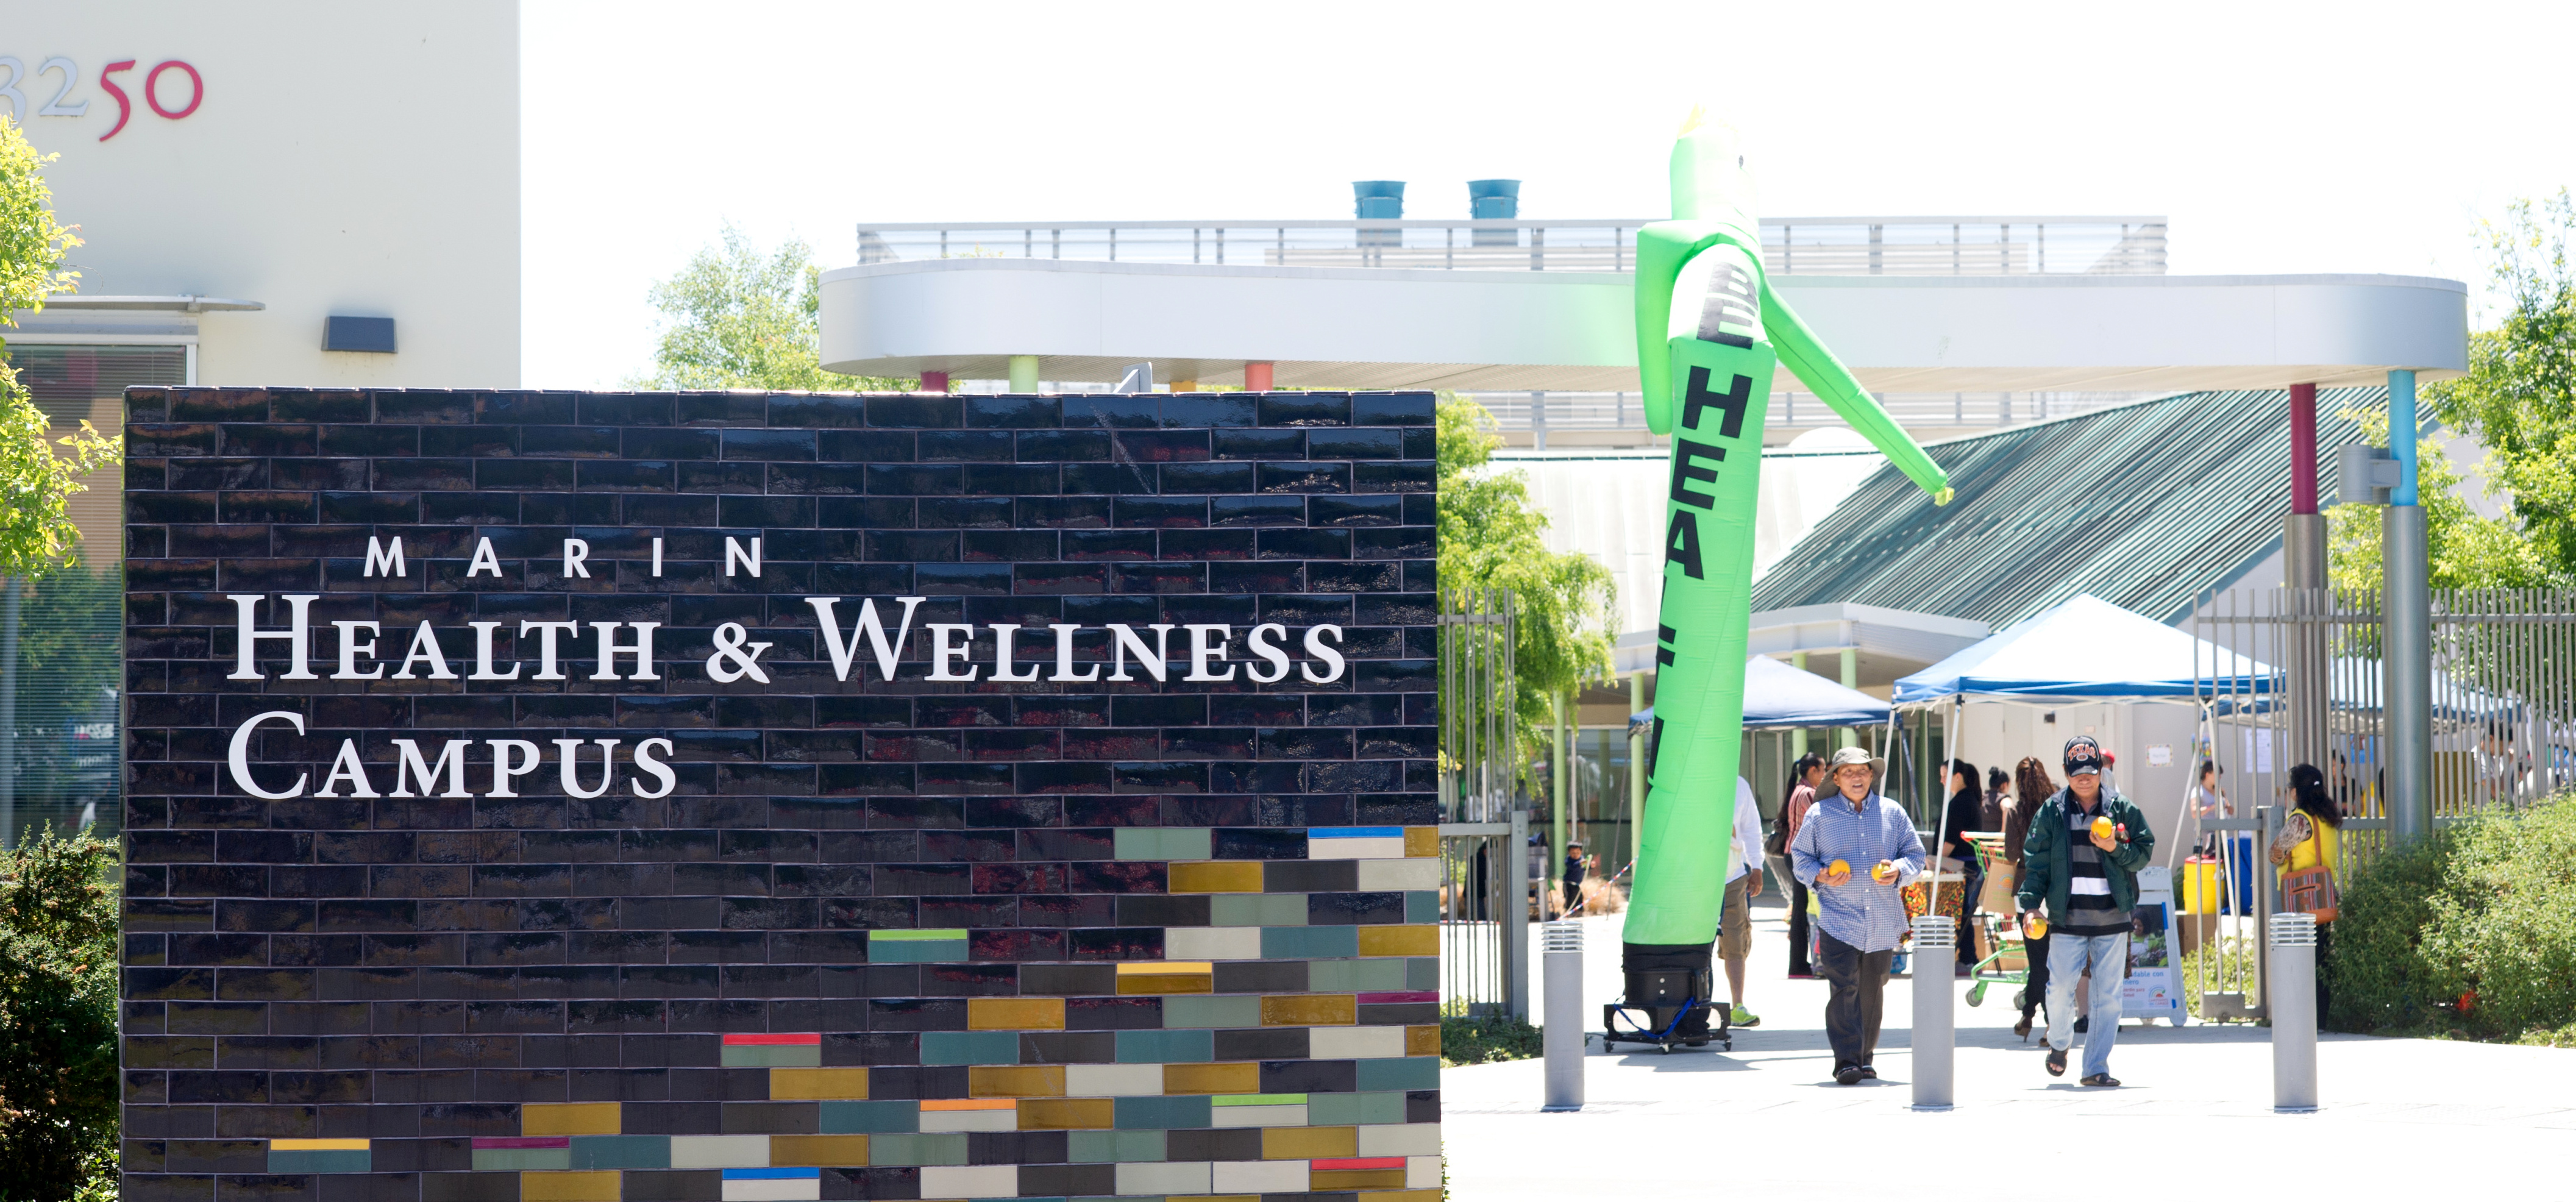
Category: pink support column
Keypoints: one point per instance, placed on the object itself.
(1256, 377)
(934, 381)
(2303, 448)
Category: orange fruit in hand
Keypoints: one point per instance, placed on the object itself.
(2102, 828)
(1838, 867)
(2036, 928)
(1880, 872)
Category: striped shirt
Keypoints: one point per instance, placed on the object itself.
(2088, 890)
(1861, 912)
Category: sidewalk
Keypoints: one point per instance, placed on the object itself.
(2399, 1114)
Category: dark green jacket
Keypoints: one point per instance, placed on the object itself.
(2048, 861)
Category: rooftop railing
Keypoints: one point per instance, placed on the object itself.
(1913, 246)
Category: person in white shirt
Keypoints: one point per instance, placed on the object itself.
(1743, 884)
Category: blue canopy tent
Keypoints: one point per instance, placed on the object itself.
(1780, 697)
(2085, 648)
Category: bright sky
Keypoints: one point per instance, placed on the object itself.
(2278, 138)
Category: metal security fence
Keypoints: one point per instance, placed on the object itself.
(2293, 676)
(1484, 903)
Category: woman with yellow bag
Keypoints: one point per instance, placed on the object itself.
(2306, 853)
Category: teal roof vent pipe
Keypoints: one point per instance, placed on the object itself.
(1379, 200)
(1489, 199)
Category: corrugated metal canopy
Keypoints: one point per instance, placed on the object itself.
(2142, 505)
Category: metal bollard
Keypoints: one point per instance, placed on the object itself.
(1936, 1036)
(2291, 996)
(1562, 946)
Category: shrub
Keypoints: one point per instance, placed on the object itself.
(1484, 1040)
(58, 1093)
(2484, 914)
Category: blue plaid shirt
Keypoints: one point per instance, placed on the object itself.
(1863, 913)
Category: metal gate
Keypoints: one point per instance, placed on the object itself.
(2297, 676)
(1484, 825)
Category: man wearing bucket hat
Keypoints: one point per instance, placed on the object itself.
(1856, 849)
(2081, 860)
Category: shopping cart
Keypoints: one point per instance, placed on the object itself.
(2002, 958)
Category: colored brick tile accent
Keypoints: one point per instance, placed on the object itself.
(970, 1114)
(1354, 1109)
(1402, 1195)
(1355, 843)
(568, 1187)
(970, 1047)
(1402, 1139)
(971, 1181)
(925, 1148)
(1213, 943)
(319, 1156)
(817, 1084)
(1172, 1179)
(1113, 1146)
(1112, 1080)
(1308, 1143)
(1158, 1047)
(1211, 1078)
(1168, 977)
(1422, 1041)
(1015, 1014)
(518, 1153)
(1067, 1114)
(916, 946)
(1357, 976)
(1257, 910)
(772, 1185)
(621, 1152)
(719, 1151)
(1217, 876)
(577, 1118)
(1310, 943)
(873, 1118)
(1400, 941)
(1259, 1176)
(1235, 1011)
(1167, 1113)
(1308, 1010)
(1356, 1043)
(1342, 1179)
(1422, 841)
(822, 1150)
(1379, 876)
(773, 1051)
(1163, 843)
(1408, 1073)
(1015, 1081)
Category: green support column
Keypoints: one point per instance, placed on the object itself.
(1636, 765)
(1560, 793)
(1024, 373)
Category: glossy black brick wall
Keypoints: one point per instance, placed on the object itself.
(410, 971)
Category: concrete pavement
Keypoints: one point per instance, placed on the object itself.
(2399, 1115)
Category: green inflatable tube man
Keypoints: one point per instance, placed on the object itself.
(1709, 331)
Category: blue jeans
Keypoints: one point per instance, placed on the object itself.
(2068, 956)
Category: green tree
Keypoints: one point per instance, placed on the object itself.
(36, 533)
(741, 317)
(2467, 551)
(2519, 398)
(58, 977)
(1490, 538)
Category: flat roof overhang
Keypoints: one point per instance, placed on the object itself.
(1340, 327)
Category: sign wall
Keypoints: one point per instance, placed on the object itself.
(715, 796)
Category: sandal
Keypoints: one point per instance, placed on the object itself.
(2057, 1062)
(2021, 1030)
(2102, 1079)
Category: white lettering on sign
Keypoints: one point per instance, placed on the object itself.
(161, 87)
(950, 657)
